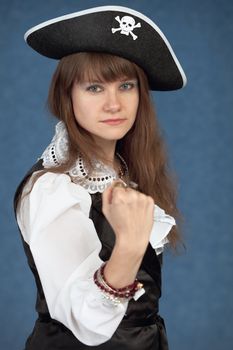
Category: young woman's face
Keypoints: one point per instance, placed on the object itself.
(96, 103)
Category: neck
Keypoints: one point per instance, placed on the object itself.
(113, 162)
(108, 148)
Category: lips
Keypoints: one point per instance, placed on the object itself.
(112, 120)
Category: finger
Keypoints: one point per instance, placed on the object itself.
(107, 196)
(118, 194)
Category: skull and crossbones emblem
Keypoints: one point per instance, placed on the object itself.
(127, 25)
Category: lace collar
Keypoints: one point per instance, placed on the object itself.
(102, 176)
(99, 179)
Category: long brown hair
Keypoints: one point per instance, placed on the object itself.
(142, 147)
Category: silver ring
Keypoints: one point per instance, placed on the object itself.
(120, 183)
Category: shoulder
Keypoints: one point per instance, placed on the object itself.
(47, 198)
(59, 188)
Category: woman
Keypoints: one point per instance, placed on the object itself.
(97, 209)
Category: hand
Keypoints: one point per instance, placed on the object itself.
(130, 213)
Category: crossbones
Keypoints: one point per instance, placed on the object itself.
(127, 25)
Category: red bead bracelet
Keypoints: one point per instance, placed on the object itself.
(116, 294)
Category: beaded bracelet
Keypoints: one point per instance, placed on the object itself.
(116, 295)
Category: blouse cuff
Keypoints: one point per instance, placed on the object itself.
(161, 228)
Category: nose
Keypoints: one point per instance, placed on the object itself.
(112, 102)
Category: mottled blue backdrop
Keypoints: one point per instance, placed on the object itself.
(198, 125)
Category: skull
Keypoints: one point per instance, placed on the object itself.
(127, 24)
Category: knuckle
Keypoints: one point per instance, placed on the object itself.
(141, 197)
(117, 190)
(133, 195)
(118, 196)
(150, 200)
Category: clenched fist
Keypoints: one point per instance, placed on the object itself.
(130, 213)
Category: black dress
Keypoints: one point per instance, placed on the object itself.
(141, 328)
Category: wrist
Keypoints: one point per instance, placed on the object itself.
(135, 250)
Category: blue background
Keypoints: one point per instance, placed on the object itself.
(197, 124)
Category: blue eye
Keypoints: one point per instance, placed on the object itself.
(94, 88)
(128, 85)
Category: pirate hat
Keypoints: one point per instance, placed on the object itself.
(116, 30)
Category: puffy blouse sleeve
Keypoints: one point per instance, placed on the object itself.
(54, 221)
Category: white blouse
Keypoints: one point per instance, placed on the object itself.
(54, 221)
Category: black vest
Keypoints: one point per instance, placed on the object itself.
(141, 328)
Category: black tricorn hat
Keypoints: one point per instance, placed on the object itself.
(117, 30)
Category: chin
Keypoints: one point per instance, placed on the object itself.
(116, 137)
(114, 134)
